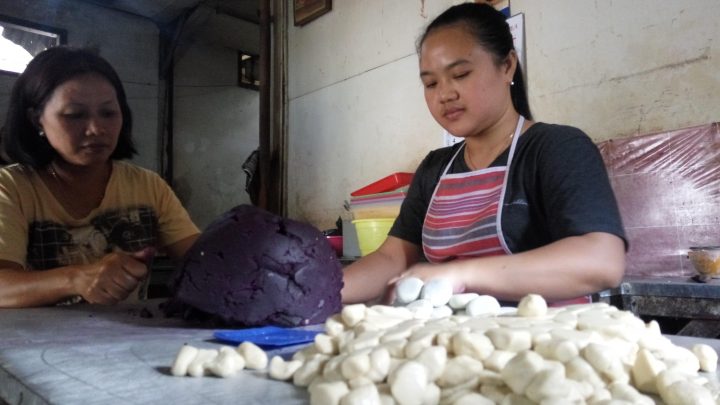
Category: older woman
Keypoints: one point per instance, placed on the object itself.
(76, 222)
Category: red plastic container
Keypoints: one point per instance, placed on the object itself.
(389, 183)
(337, 244)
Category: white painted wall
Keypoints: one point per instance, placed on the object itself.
(616, 68)
(356, 111)
(128, 42)
(216, 128)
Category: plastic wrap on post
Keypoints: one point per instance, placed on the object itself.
(668, 189)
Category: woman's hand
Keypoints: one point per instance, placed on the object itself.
(366, 280)
(426, 272)
(114, 277)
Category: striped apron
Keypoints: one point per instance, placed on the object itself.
(464, 215)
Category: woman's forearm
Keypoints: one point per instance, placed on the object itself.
(568, 268)
(22, 288)
(106, 281)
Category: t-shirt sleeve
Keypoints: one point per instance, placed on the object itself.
(575, 189)
(13, 224)
(174, 222)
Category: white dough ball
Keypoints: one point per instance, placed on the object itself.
(483, 305)
(408, 290)
(460, 301)
(421, 309)
(531, 306)
(438, 291)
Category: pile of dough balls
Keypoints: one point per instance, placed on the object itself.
(225, 362)
(435, 299)
(585, 353)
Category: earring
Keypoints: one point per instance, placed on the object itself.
(512, 83)
(41, 133)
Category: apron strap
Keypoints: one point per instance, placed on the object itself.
(498, 223)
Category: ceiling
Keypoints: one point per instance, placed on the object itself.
(232, 24)
(165, 11)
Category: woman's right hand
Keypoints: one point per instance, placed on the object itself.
(114, 277)
(367, 279)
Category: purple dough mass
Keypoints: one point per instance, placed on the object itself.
(252, 268)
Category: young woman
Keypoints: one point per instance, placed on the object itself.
(75, 221)
(519, 207)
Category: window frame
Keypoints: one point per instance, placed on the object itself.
(58, 34)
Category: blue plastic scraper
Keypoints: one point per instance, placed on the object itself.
(267, 336)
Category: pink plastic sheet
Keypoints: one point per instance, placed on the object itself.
(668, 189)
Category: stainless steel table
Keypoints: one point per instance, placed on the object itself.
(113, 355)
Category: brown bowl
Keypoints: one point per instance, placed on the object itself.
(706, 260)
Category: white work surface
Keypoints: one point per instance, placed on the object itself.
(87, 354)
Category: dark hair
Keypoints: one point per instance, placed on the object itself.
(48, 70)
(489, 28)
